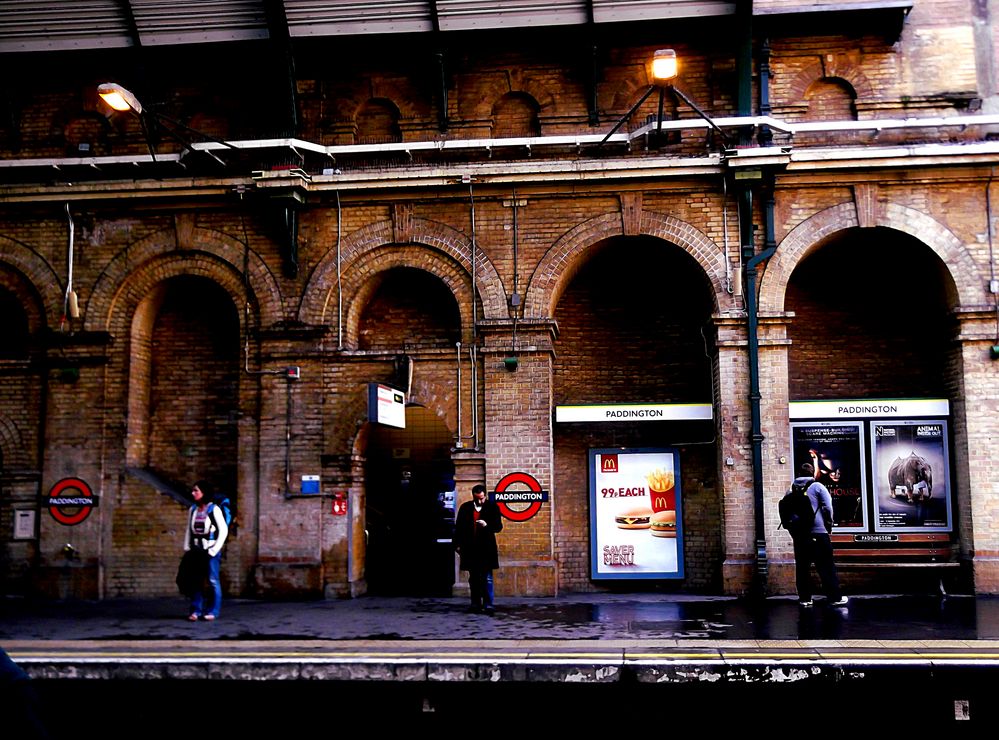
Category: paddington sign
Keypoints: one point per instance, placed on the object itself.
(869, 407)
(635, 412)
(70, 501)
(534, 496)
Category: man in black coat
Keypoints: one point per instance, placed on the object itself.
(475, 530)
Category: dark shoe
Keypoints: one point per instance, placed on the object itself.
(490, 610)
(475, 609)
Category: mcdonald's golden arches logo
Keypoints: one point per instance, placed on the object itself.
(608, 463)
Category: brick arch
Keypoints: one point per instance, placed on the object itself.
(849, 73)
(812, 232)
(12, 449)
(563, 260)
(319, 299)
(544, 96)
(142, 281)
(359, 285)
(38, 273)
(223, 253)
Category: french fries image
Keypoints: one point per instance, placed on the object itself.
(660, 480)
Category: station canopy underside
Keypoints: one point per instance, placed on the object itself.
(43, 25)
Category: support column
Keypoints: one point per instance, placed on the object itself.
(735, 471)
(295, 531)
(735, 454)
(518, 437)
(78, 444)
(975, 414)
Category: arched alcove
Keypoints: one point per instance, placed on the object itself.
(831, 99)
(630, 335)
(516, 115)
(872, 319)
(377, 122)
(408, 308)
(183, 409)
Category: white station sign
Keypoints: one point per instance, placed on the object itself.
(386, 405)
(635, 412)
(880, 408)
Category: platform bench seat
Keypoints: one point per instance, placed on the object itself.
(934, 553)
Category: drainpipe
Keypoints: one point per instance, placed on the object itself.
(751, 261)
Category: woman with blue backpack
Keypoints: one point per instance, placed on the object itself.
(208, 527)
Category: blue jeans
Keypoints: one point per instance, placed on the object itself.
(216, 585)
(480, 582)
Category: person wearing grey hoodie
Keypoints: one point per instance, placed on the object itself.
(815, 546)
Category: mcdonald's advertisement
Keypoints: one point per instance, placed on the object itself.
(636, 520)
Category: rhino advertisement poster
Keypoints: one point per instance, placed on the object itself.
(911, 473)
(636, 520)
(836, 452)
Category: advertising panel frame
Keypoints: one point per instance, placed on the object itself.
(881, 462)
(613, 539)
(856, 458)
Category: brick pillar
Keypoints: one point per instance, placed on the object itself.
(469, 469)
(78, 444)
(342, 537)
(518, 437)
(294, 531)
(778, 465)
(735, 457)
(975, 427)
(735, 450)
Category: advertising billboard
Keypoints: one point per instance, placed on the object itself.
(836, 452)
(911, 472)
(636, 519)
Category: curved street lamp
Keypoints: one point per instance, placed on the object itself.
(122, 99)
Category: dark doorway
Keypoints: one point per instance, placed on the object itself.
(409, 523)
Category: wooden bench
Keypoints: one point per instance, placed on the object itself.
(932, 552)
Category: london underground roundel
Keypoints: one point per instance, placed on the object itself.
(70, 501)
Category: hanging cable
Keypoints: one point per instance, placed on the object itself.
(339, 288)
(729, 285)
(992, 259)
(471, 200)
(70, 305)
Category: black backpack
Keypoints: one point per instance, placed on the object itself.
(796, 513)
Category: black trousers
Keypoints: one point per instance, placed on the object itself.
(815, 548)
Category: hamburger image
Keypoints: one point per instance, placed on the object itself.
(663, 524)
(634, 518)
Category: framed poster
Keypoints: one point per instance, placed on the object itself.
(911, 470)
(636, 519)
(836, 451)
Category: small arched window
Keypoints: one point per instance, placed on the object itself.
(831, 99)
(514, 115)
(377, 122)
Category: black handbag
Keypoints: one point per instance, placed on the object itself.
(192, 572)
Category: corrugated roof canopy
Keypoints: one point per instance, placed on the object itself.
(49, 25)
